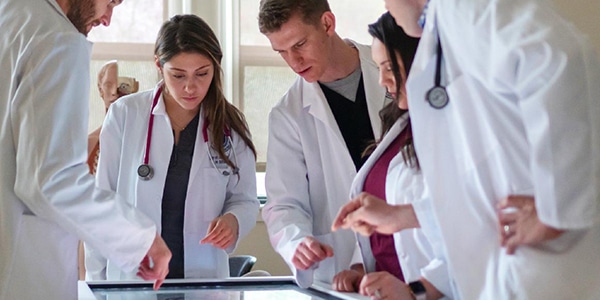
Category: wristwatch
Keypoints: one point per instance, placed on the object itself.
(418, 290)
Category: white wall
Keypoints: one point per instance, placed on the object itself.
(257, 244)
(585, 15)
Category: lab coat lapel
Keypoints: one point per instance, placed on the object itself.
(150, 192)
(318, 107)
(199, 150)
(394, 131)
(374, 93)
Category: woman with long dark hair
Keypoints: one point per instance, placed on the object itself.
(183, 155)
(391, 179)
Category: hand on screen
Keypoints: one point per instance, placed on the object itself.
(155, 265)
(383, 285)
(348, 280)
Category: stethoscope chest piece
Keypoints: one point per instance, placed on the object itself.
(145, 172)
(437, 97)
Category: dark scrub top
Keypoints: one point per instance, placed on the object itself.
(174, 194)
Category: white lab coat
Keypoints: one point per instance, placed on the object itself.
(404, 185)
(47, 197)
(522, 120)
(209, 194)
(309, 172)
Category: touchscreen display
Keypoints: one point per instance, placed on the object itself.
(203, 290)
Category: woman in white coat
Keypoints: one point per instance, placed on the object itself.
(519, 130)
(392, 175)
(182, 154)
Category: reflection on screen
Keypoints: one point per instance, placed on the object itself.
(249, 292)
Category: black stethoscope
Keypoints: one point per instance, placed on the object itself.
(437, 95)
(146, 172)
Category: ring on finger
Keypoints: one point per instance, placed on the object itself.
(506, 229)
(377, 294)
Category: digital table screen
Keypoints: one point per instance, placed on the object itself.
(253, 289)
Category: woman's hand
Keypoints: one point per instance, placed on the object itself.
(222, 231)
(383, 285)
(348, 280)
(520, 225)
(366, 214)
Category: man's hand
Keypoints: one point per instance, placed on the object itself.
(160, 255)
(348, 280)
(309, 252)
(520, 225)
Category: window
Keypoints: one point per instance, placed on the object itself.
(255, 76)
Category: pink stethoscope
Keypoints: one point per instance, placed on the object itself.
(146, 172)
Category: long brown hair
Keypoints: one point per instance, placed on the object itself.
(396, 40)
(190, 34)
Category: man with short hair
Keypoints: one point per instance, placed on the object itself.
(48, 199)
(317, 133)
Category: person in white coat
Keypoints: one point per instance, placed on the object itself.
(317, 133)
(391, 175)
(48, 199)
(182, 154)
(518, 129)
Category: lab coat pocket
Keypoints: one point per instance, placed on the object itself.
(207, 194)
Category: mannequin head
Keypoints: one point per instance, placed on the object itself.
(111, 86)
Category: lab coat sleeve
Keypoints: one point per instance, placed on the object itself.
(553, 72)
(49, 117)
(241, 199)
(287, 213)
(106, 179)
(436, 271)
(111, 145)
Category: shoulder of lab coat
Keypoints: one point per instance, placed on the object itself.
(552, 71)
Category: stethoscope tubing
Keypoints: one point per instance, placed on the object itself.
(145, 171)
